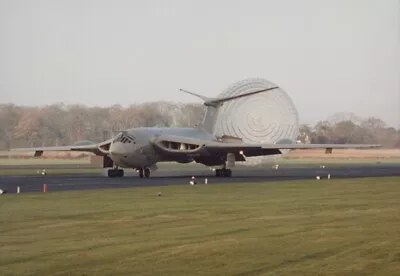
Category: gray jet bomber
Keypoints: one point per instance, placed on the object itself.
(142, 148)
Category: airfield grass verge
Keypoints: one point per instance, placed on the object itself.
(335, 227)
(41, 161)
(19, 172)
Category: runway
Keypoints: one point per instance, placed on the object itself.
(165, 178)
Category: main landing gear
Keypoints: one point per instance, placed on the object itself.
(223, 172)
(115, 172)
(144, 173)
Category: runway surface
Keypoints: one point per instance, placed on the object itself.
(250, 175)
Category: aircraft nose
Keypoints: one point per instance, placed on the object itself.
(116, 150)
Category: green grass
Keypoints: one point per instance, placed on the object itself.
(326, 227)
(18, 172)
(41, 161)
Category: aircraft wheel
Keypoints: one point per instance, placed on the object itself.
(228, 173)
(147, 172)
(110, 173)
(223, 172)
(141, 173)
(115, 173)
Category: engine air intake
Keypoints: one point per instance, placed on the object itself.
(178, 146)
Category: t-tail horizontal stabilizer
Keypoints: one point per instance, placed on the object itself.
(216, 101)
(204, 98)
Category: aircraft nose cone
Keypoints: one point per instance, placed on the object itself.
(116, 150)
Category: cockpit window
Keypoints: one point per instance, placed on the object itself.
(123, 138)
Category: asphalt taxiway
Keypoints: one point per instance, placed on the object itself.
(165, 178)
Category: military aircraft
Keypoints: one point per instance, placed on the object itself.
(142, 148)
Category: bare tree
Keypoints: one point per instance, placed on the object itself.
(9, 118)
(29, 128)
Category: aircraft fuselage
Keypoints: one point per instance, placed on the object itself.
(134, 148)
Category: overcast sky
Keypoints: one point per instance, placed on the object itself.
(328, 55)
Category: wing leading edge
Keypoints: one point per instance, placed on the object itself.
(228, 147)
(97, 149)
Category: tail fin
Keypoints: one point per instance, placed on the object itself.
(213, 105)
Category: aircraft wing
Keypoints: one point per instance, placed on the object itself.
(98, 149)
(276, 148)
(193, 145)
(290, 146)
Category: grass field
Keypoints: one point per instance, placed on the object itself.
(329, 227)
(39, 161)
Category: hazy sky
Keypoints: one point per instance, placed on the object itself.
(328, 55)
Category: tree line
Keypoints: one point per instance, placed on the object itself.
(60, 124)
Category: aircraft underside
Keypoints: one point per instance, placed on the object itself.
(145, 172)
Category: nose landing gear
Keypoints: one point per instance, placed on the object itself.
(115, 172)
(144, 173)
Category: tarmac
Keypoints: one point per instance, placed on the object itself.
(34, 183)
